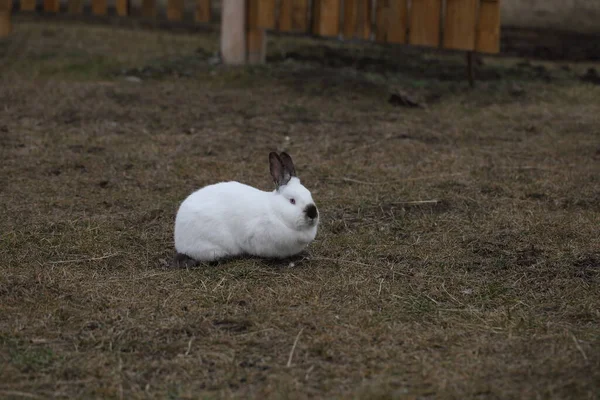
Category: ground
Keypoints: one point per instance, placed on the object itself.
(458, 254)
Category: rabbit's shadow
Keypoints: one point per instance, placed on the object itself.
(180, 260)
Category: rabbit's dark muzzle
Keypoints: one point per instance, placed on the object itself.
(311, 211)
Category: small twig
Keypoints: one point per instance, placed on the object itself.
(430, 298)
(380, 284)
(218, 285)
(417, 202)
(84, 259)
(579, 347)
(308, 372)
(289, 363)
(187, 352)
(452, 297)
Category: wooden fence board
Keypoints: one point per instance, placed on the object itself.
(255, 35)
(149, 8)
(381, 10)
(326, 17)
(122, 7)
(99, 7)
(284, 20)
(425, 22)
(203, 11)
(293, 16)
(266, 14)
(175, 10)
(27, 5)
(391, 21)
(5, 24)
(5, 14)
(75, 6)
(300, 15)
(51, 6)
(357, 19)
(488, 32)
(460, 24)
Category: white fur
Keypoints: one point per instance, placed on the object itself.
(231, 219)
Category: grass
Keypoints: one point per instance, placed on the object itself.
(491, 291)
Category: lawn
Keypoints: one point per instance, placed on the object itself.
(458, 254)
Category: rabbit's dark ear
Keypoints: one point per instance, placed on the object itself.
(279, 173)
(288, 163)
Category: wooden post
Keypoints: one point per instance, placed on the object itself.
(470, 68)
(233, 31)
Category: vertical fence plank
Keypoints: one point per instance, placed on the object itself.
(293, 15)
(391, 20)
(397, 21)
(5, 24)
(350, 18)
(75, 6)
(122, 8)
(5, 14)
(326, 17)
(300, 15)
(99, 7)
(488, 33)
(460, 24)
(233, 31)
(266, 14)
(425, 22)
(203, 11)
(357, 19)
(255, 36)
(174, 10)
(27, 5)
(284, 20)
(51, 6)
(382, 7)
(149, 8)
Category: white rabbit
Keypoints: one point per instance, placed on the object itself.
(231, 219)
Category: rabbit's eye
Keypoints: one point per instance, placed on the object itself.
(293, 201)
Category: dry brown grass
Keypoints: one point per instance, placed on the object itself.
(491, 292)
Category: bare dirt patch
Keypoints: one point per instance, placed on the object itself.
(457, 256)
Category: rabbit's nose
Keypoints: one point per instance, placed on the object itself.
(311, 211)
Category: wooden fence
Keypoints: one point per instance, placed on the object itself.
(468, 25)
(122, 8)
